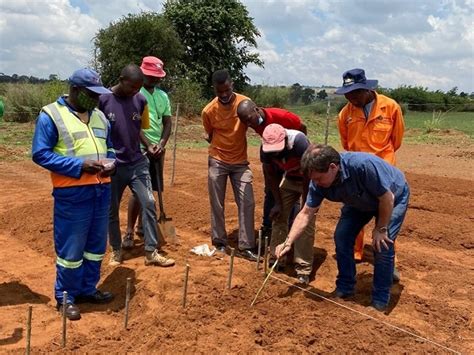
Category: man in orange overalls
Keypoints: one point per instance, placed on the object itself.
(371, 123)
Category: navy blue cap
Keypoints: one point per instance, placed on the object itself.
(88, 79)
(355, 79)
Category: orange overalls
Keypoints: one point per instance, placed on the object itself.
(380, 134)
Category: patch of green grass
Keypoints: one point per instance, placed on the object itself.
(451, 128)
(15, 140)
(16, 134)
(425, 121)
(421, 127)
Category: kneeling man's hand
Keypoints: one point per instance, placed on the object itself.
(380, 239)
(282, 249)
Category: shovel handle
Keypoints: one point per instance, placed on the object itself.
(159, 183)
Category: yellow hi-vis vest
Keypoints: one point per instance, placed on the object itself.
(78, 140)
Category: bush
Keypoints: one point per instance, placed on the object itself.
(268, 96)
(24, 101)
(320, 108)
(434, 123)
(188, 94)
(468, 107)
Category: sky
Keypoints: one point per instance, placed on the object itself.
(427, 43)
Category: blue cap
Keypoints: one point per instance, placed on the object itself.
(88, 79)
(355, 79)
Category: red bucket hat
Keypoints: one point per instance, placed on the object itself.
(152, 66)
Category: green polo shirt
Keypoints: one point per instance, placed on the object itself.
(158, 106)
(2, 107)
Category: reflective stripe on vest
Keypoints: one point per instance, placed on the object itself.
(79, 140)
(68, 264)
(93, 257)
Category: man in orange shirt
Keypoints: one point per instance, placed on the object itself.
(371, 123)
(228, 159)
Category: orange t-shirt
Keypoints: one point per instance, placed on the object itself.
(227, 132)
(380, 134)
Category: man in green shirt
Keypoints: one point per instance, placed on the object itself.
(154, 137)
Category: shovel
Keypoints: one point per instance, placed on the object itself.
(165, 224)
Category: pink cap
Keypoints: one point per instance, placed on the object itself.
(152, 66)
(273, 138)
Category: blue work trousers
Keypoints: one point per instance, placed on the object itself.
(347, 229)
(80, 238)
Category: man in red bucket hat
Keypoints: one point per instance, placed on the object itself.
(156, 136)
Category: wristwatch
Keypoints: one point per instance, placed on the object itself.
(382, 229)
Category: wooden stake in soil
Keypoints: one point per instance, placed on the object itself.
(185, 289)
(265, 257)
(127, 300)
(231, 268)
(264, 282)
(175, 131)
(28, 330)
(326, 132)
(63, 342)
(259, 249)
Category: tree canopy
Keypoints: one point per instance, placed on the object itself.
(133, 37)
(216, 34)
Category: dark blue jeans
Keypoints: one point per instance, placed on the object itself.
(137, 177)
(349, 225)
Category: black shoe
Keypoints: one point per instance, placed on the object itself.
(221, 248)
(379, 306)
(98, 297)
(72, 311)
(343, 295)
(247, 254)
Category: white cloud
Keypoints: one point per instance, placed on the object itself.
(398, 42)
(44, 37)
(307, 41)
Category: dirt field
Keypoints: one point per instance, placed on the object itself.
(434, 298)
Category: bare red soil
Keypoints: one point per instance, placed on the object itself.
(434, 298)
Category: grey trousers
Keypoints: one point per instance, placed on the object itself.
(137, 177)
(241, 179)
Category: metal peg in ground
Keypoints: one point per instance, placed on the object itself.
(231, 268)
(127, 300)
(185, 288)
(63, 342)
(28, 330)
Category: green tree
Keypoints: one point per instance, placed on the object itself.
(216, 34)
(53, 77)
(307, 96)
(452, 92)
(133, 37)
(295, 93)
(322, 94)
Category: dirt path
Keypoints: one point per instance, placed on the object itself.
(434, 298)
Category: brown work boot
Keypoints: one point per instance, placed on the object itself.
(154, 258)
(115, 257)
